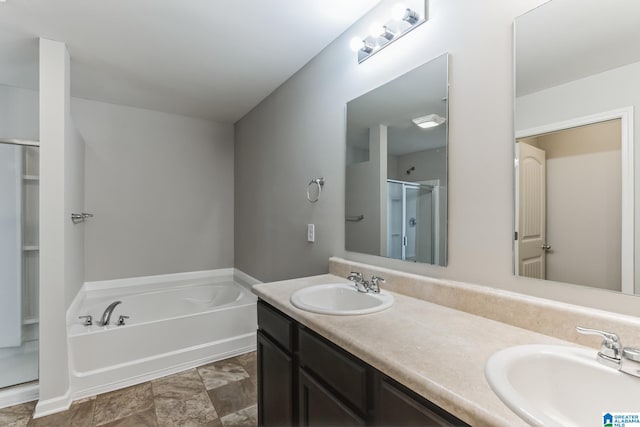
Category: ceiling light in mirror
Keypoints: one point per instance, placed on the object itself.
(430, 121)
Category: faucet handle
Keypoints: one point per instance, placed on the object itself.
(88, 320)
(121, 320)
(375, 283)
(355, 275)
(610, 348)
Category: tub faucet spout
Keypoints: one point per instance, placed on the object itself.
(106, 316)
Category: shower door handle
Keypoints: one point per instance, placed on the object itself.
(404, 240)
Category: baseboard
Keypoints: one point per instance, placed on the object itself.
(19, 394)
(52, 406)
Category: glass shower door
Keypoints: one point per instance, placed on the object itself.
(410, 221)
(19, 250)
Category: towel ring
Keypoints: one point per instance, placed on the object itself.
(315, 182)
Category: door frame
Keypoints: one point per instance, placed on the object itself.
(626, 117)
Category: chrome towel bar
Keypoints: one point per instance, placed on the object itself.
(81, 217)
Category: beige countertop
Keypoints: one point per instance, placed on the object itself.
(438, 352)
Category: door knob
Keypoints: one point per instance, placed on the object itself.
(546, 247)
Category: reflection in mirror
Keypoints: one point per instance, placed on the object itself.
(396, 177)
(576, 88)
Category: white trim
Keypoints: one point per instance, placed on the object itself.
(244, 279)
(52, 406)
(19, 394)
(627, 161)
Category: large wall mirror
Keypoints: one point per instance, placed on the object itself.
(577, 94)
(396, 177)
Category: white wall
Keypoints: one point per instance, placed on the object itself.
(18, 113)
(73, 203)
(298, 132)
(161, 189)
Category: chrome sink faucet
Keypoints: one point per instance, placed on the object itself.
(613, 354)
(364, 286)
(359, 282)
(106, 316)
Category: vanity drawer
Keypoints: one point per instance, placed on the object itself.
(276, 325)
(340, 371)
(396, 405)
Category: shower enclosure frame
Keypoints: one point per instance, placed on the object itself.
(432, 187)
(28, 391)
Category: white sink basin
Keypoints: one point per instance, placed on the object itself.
(556, 386)
(340, 299)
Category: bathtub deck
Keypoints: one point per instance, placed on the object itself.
(220, 394)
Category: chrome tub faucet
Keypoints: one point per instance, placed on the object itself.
(106, 316)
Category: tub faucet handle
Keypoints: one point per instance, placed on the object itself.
(88, 320)
(121, 320)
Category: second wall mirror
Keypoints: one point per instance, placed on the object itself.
(577, 95)
(396, 177)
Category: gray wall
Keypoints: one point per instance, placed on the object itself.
(161, 189)
(298, 132)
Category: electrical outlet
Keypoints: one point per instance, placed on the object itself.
(311, 233)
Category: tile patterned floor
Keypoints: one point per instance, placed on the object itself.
(220, 394)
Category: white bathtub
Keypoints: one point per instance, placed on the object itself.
(175, 322)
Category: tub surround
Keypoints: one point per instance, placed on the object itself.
(437, 351)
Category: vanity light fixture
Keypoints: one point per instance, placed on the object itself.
(430, 121)
(360, 45)
(401, 12)
(404, 18)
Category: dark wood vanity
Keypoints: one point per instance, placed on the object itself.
(306, 380)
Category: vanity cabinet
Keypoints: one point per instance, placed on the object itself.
(276, 377)
(307, 381)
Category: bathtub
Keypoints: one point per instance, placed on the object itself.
(175, 322)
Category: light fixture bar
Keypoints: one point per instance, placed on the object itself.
(404, 18)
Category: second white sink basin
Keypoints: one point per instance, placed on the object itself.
(340, 299)
(557, 386)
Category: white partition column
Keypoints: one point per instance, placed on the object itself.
(54, 130)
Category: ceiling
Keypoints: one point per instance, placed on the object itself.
(565, 40)
(214, 59)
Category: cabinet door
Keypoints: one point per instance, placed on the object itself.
(319, 408)
(397, 406)
(275, 385)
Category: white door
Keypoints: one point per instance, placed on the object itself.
(531, 211)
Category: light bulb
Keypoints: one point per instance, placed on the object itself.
(376, 29)
(399, 11)
(356, 44)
